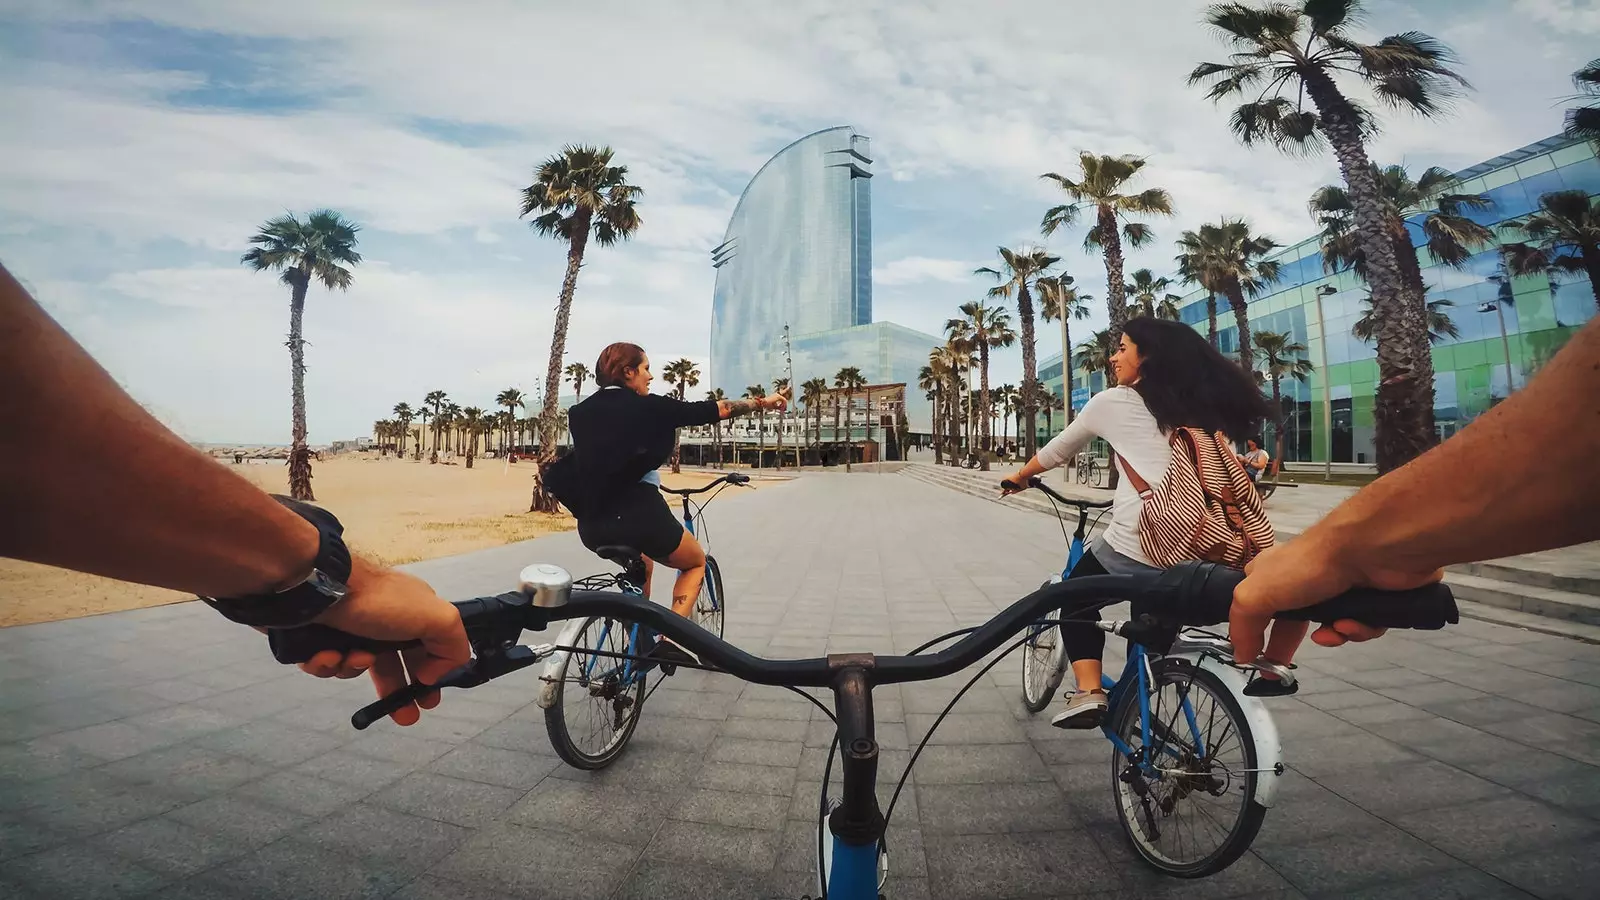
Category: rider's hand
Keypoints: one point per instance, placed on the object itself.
(1007, 488)
(779, 400)
(1302, 572)
(393, 606)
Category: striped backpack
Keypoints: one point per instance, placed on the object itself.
(1207, 509)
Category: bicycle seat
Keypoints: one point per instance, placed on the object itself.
(626, 557)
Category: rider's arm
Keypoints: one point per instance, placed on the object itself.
(1459, 502)
(90, 481)
(1061, 448)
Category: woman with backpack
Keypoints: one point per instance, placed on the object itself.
(1183, 495)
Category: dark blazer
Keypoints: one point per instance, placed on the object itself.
(618, 437)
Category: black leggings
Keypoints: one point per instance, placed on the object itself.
(1080, 637)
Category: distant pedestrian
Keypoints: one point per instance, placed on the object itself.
(1255, 459)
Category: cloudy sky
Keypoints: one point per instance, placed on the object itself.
(145, 141)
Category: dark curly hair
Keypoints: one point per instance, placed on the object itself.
(1185, 382)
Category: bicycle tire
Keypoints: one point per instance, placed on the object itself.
(1041, 665)
(712, 604)
(555, 718)
(1135, 814)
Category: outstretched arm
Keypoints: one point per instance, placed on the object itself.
(732, 409)
(1459, 502)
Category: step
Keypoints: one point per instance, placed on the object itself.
(1566, 628)
(1526, 598)
(1502, 571)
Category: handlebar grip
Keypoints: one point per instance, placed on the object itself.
(298, 645)
(1429, 608)
(737, 478)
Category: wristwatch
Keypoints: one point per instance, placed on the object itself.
(298, 604)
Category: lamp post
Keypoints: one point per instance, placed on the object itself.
(1326, 290)
(1497, 306)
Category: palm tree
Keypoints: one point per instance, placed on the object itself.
(958, 356)
(757, 392)
(1196, 252)
(812, 392)
(471, 421)
(403, 414)
(575, 194)
(576, 373)
(1142, 291)
(1051, 402)
(1281, 357)
(682, 374)
(1236, 264)
(1059, 300)
(1099, 187)
(512, 400)
(849, 379)
(1019, 271)
(1584, 121)
(1451, 239)
(433, 404)
(1094, 355)
(986, 328)
(1440, 325)
(321, 248)
(1299, 52)
(779, 385)
(932, 378)
(1009, 400)
(1566, 230)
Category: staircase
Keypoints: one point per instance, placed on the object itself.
(1555, 592)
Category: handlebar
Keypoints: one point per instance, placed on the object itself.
(1037, 482)
(734, 478)
(1189, 594)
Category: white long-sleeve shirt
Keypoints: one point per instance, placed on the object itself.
(1120, 416)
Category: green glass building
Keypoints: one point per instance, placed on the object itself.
(1473, 370)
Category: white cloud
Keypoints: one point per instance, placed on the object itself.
(128, 211)
(915, 269)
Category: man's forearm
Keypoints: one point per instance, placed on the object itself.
(90, 481)
(1421, 517)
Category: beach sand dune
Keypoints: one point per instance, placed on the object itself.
(396, 511)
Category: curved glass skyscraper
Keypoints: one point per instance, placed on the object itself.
(798, 253)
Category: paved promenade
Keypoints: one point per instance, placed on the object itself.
(161, 753)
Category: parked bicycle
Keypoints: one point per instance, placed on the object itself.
(1087, 467)
(1159, 772)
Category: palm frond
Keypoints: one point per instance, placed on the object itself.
(1278, 122)
(1329, 16)
(1137, 234)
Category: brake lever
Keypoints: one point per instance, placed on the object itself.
(482, 669)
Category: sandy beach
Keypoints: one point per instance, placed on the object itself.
(396, 511)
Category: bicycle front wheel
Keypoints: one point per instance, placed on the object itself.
(1187, 800)
(709, 606)
(597, 707)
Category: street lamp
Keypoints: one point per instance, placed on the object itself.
(1326, 290)
(1498, 307)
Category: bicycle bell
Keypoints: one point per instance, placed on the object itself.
(547, 585)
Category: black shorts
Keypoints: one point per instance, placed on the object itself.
(637, 517)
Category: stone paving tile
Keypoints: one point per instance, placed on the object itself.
(1480, 743)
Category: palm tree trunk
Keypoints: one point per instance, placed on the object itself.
(934, 426)
(849, 449)
(1241, 320)
(1416, 306)
(1116, 296)
(985, 411)
(299, 453)
(1395, 417)
(1066, 363)
(1030, 369)
(1278, 420)
(761, 436)
(542, 500)
(1211, 318)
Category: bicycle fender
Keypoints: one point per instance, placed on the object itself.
(1269, 747)
(550, 678)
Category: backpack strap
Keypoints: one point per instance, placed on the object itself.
(1139, 484)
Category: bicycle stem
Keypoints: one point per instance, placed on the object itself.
(857, 821)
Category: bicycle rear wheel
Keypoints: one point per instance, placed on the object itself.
(1197, 812)
(1043, 663)
(597, 708)
(709, 606)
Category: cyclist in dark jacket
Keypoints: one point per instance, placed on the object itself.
(620, 436)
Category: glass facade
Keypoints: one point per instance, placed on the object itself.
(798, 252)
(1473, 370)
